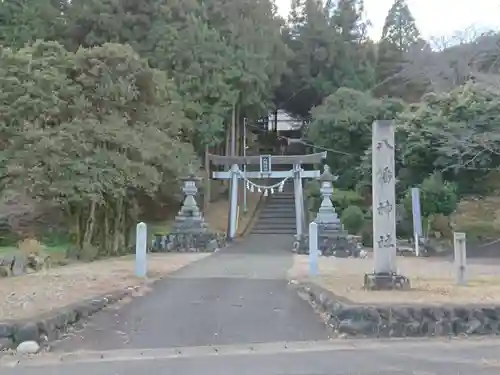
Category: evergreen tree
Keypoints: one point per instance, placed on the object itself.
(355, 58)
(400, 38)
(253, 31)
(311, 40)
(24, 21)
(400, 29)
(330, 50)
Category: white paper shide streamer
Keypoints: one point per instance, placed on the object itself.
(271, 189)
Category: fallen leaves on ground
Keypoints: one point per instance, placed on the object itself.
(432, 280)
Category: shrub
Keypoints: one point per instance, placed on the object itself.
(353, 219)
(439, 223)
(341, 199)
(436, 197)
(367, 233)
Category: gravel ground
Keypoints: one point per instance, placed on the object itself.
(32, 294)
(432, 280)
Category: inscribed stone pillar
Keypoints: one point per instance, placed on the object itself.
(384, 197)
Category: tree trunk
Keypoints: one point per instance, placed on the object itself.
(238, 131)
(106, 234)
(117, 228)
(89, 227)
(75, 220)
(125, 227)
(206, 198)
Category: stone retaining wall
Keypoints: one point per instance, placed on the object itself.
(48, 327)
(339, 247)
(347, 318)
(15, 264)
(189, 242)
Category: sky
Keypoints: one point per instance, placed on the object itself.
(434, 18)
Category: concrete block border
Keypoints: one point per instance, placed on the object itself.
(362, 320)
(49, 326)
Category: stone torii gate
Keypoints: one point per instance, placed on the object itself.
(266, 162)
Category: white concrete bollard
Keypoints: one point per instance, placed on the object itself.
(141, 239)
(313, 249)
(460, 253)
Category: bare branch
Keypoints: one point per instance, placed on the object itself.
(446, 63)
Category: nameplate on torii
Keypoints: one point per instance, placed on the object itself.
(265, 164)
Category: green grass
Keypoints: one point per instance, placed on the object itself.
(160, 227)
(60, 249)
(57, 249)
(8, 249)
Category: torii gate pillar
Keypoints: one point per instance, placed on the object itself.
(299, 201)
(233, 204)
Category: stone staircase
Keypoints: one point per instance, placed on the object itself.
(277, 215)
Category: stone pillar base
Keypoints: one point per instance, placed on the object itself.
(301, 245)
(189, 242)
(386, 281)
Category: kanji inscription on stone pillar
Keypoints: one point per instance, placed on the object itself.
(384, 197)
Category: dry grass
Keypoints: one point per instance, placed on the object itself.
(218, 212)
(479, 217)
(32, 294)
(30, 246)
(432, 281)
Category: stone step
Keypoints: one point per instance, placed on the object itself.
(291, 228)
(289, 206)
(278, 212)
(274, 200)
(276, 221)
(291, 231)
(279, 207)
(279, 198)
(277, 215)
(275, 224)
(271, 230)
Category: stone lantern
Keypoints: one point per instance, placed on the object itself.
(333, 239)
(327, 214)
(189, 219)
(190, 233)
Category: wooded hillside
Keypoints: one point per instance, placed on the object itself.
(104, 104)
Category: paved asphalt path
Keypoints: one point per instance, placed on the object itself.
(336, 357)
(238, 295)
(234, 313)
